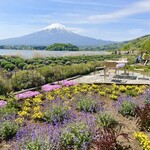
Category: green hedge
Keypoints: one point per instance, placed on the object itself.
(27, 79)
(60, 72)
(4, 87)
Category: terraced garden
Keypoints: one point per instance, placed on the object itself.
(67, 115)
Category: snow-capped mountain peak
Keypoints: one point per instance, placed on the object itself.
(54, 33)
(57, 26)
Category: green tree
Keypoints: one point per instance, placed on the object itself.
(62, 47)
(146, 45)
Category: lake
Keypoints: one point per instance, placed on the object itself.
(43, 53)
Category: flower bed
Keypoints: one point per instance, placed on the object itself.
(67, 115)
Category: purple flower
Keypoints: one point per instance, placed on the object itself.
(48, 136)
(3, 103)
(27, 94)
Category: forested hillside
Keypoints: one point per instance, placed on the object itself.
(142, 43)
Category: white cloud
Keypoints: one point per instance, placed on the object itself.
(77, 30)
(136, 8)
(135, 31)
(85, 2)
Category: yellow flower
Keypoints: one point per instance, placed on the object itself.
(114, 97)
(37, 115)
(137, 88)
(50, 97)
(143, 139)
(129, 87)
(25, 108)
(19, 120)
(37, 100)
(27, 103)
(102, 93)
(39, 96)
(115, 87)
(23, 113)
(122, 88)
(37, 108)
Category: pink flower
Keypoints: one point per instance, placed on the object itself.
(68, 83)
(3, 103)
(48, 87)
(27, 94)
(65, 83)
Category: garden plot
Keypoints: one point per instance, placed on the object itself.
(67, 115)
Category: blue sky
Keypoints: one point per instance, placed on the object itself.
(116, 20)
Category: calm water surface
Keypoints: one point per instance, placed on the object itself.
(42, 53)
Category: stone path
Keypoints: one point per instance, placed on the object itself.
(130, 78)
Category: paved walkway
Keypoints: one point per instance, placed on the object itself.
(98, 77)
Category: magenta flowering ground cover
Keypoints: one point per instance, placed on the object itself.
(27, 94)
(3, 103)
(48, 87)
(57, 85)
(65, 83)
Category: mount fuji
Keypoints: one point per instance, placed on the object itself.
(54, 33)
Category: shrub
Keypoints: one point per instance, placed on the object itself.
(48, 73)
(37, 137)
(5, 111)
(10, 108)
(146, 97)
(127, 108)
(21, 65)
(8, 129)
(27, 79)
(67, 63)
(59, 72)
(106, 139)
(36, 144)
(131, 93)
(76, 136)
(4, 88)
(29, 66)
(18, 61)
(87, 104)
(9, 67)
(143, 114)
(57, 114)
(4, 62)
(105, 119)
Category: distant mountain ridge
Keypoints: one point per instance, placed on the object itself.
(55, 33)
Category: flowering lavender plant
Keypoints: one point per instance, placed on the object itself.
(87, 104)
(27, 94)
(76, 136)
(126, 106)
(105, 119)
(38, 137)
(146, 96)
(58, 114)
(8, 127)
